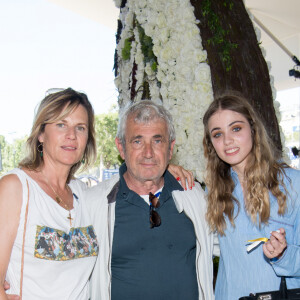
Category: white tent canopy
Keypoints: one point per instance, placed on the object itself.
(282, 19)
(279, 17)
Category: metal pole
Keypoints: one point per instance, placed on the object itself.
(275, 39)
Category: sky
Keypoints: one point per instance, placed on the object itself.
(46, 46)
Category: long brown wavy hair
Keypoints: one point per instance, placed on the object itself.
(264, 172)
(54, 107)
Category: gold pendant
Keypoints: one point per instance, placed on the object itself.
(70, 218)
(58, 200)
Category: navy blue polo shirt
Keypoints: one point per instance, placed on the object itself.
(157, 263)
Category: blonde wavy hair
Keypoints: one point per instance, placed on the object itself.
(264, 172)
(55, 107)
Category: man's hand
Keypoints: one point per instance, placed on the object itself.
(6, 287)
(182, 174)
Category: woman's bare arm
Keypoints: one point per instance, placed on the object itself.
(10, 208)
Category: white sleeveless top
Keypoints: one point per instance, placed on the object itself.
(58, 259)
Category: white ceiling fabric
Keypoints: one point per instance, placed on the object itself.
(282, 18)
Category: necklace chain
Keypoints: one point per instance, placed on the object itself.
(59, 200)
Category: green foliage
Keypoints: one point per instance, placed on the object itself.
(220, 35)
(292, 137)
(154, 66)
(146, 43)
(106, 129)
(11, 154)
(216, 260)
(228, 3)
(127, 49)
(147, 48)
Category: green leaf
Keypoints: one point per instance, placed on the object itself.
(127, 49)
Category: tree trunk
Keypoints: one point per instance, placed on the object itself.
(235, 58)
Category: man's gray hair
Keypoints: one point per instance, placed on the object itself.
(144, 112)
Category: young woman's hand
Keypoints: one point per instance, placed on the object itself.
(276, 245)
(182, 174)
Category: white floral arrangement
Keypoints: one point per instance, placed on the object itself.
(180, 76)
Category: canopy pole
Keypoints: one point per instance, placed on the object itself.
(275, 39)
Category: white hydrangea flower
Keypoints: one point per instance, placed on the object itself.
(118, 3)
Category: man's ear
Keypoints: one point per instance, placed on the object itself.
(171, 149)
(120, 148)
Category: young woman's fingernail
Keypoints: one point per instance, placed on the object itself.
(178, 178)
(186, 189)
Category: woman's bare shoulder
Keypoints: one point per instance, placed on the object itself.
(10, 188)
(10, 180)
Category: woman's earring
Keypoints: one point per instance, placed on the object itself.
(40, 149)
(83, 160)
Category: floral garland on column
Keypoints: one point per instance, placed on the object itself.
(160, 56)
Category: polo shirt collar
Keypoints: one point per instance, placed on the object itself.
(170, 184)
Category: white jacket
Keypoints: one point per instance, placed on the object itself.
(191, 202)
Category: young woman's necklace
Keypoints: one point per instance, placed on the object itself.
(59, 200)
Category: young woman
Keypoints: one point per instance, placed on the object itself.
(251, 194)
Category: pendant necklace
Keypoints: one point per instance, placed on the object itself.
(59, 200)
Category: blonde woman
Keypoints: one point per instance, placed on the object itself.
(251, 194)
(60, 248)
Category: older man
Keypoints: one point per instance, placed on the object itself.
(154, 243)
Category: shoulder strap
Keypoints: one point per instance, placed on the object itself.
(23, 243)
